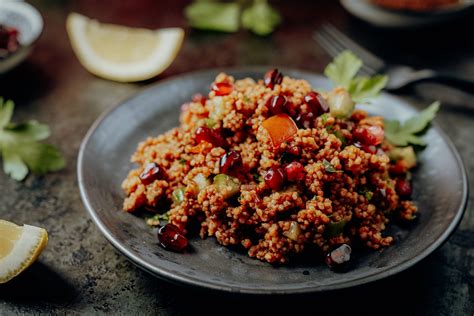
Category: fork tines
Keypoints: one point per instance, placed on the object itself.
(334, 42)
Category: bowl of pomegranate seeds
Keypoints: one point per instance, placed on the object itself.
(20, 26)
(270, 181)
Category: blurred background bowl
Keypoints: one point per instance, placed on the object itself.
(29, 23)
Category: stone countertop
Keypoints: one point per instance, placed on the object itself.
(81, 273)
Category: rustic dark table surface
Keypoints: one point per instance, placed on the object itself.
(80, 272)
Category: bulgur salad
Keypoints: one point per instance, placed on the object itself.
(278, 168)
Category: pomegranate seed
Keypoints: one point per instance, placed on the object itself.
(371, 135)
(398, 168)
(339, 257)
(294, 171)
(199, 98)
(151, 173)
(403, 188)
(275, 178)
(213, 136)
(231, 163)
(272, 78)
(294, 150)
(317, 103)
(305, 120)
(222, 88)
(276, 104)
(171, 238)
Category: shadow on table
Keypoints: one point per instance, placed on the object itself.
(38, 284)
(412, 292)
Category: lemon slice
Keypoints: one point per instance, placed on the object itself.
(19, 248)
(122, 53)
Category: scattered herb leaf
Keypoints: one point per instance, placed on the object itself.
(341, 137)
(260, 18)
(343, 70)
(210, 122)
(182, 161)
(328, 167)
(20, 148)
(324, 118)
(156, 219)
(408, 133)
(213, 16)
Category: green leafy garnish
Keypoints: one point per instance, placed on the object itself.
(343, 70)
(408, 133)
(328, 167)
(260, 18)
(20, 147)
(213, 16)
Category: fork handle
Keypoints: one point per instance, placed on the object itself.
(463, 84)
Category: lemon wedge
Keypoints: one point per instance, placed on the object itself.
(122, 53)
(19, 248)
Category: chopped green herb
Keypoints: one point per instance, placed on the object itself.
(341, 137)
(335, 228)
(210, 122)
(324, 118)
(20, 146)
(343, 70)
(408, 133)
(246, 99)
(257, 177)
(182, 161)
(369, 195)
(328, 167)
(156, 219)
(330, 128)
(178, 196)
(260, 18)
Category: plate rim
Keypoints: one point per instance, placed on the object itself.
(212, 285)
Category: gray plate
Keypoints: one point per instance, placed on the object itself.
(440, 190)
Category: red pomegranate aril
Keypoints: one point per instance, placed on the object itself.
(294, 171)
(171, 238)
(199, 98)
(272, 78)
(294, 150)
(230, 163)
(403, 188)
(317, 103)
(275, 178)
(398, 168)
(305, 120)
(276, 104)
(213, 136)
(222, 88)
(371, 135)
(151, 173)
(338, 259)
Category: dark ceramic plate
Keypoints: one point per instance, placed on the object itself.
(440, 190)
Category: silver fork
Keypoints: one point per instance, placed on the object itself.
(334, 42)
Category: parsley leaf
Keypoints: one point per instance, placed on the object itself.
(362, 88)
(343, 70)
(408, 133)
(213, 16)
(260, 18)
(20, 148)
